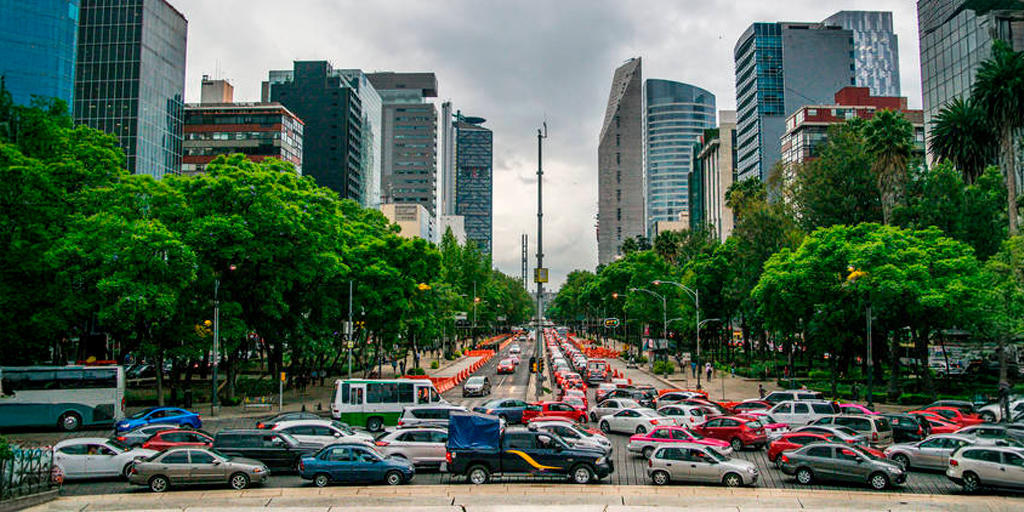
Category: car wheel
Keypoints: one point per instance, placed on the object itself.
(804, 476)
(971, 482)
(593, 417)
(736, 444)
(321, 480)
(640, 429)
(479, 475)
(69, 421)
(239, 481)
(581, 474)
(159, 483)
(878, 481)
(988, 416)
(374, 424)
(647, 452)
(660, 478)
(393, 478)
(126, 471)
(732, 480)
(605, 427)
(902, 460)
(582, 418)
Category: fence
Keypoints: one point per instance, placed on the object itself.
(29, 471)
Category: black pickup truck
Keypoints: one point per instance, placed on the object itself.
(479, 446)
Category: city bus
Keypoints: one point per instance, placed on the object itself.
(68, 397)
(376, 403)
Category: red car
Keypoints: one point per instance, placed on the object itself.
(937, 424)
(747, 406)
(559, 409)
(506, 366)
(792, 441)
(175, 438)
(739, 432)
(954, 415)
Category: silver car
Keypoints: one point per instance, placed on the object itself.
(185, 466)
(696, 463)
(573, 435)
(932, 453)
(612, 406)
(428, 415)
(839, 462)
(420, 445)
(975, 467)
(478, 385)
(844, 434)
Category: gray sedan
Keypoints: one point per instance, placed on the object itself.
(844, 434)
(932, 453)
(698, 463)
(839, 462)
(184, 466)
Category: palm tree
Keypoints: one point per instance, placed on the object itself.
(890, 139)
(999, 89)
(964, 136)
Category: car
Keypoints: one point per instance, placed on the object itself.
(185, 466)
(161, 414)
(138, 436)
(514, 349)
(687, 415)
(747, 406)
(992, 431)
(975, 467)
(842, 434)
(278, 450)
(772, 429)
(716, 409)
(954, 415)
(509, 409)
(630, 421)
(268, 423)
(423, 446)
(802, 412)
(96, 457)
(572, 433)
(675, 397)
(641, 397)
(875, 427)
(321, 432)
(601, 390)
(855, 409)
(645, 444)
(579, 393)
(964, 406)
(931, 453)
(427, 415)
(354, 463)
(612, 406)
(777, 397)
(560, 409)
(506, 366)
(477, 385)
(515, 359)
(994, 413)
(905, 428)
(738, 432)
(696, 463)
(841, 462)
(794, 440)
(176, 439)
(937, 424)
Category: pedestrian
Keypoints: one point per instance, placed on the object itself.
(707, 368)
(760, 391)
(693, 368)
(732, 370)
(402, 365)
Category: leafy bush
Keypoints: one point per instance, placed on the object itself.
(664, 368)
(820, 375)
(229, 401)
(416, 371)
(434, 365)
(641, 360)
(253, 387)
(5, 449)
(913, 399)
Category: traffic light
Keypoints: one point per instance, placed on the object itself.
(533, 364)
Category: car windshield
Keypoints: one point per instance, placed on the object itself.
(344, 427)
(288, 438)
(141, 414)
(219, 454)
(582, 432)
(475, 380)
(716, 455)
(118, 444)
(846, 430)
(754, 424)
(694, 434)
(767, 419)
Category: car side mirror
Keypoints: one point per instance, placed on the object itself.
(337, 434)
(859, 459)
(216, 462)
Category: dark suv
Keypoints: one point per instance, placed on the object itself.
(278, 450)
(643, 398)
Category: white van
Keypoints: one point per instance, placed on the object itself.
(797, 413)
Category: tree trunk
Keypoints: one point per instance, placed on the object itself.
(1009, 165)
(229, 373)
(921, 353)
(894, 363)
(160, 378)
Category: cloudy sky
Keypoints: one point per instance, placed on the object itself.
(515, 63)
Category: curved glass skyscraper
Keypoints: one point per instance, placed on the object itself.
(675, 116)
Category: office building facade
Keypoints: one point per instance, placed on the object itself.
(38, 44)
(130, 79)
(413, 220)
(716, 164)
(675, 116)
(620, 167)
(446, 129)
(875, 47)
(371, 135)
(779, 68)
(475, 180)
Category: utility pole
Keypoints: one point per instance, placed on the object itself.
(351, 330)
(214, 405)
(540, 258)
(526, 258)
(871, 364)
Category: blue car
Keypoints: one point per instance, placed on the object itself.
(162, 415)
(354, 463)
(510, 409)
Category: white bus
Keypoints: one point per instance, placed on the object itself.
(376, 403)
(68, 397)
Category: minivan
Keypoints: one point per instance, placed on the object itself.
(776, 397)
(427, 415)
(876, 428)
(802, 412)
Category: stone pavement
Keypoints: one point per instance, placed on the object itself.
(514, 497)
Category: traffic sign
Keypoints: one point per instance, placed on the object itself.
(611, 322)
(540, 275)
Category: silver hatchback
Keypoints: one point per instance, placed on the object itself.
(185, 466)
(420, 445)
(687, 462)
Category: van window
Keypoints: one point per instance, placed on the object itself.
(800, 408)
(344, 393)
(822, 408)
(882, 424)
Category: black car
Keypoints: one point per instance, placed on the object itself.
(268, 423)
(278, 450)
(905, 428)
(641, 397)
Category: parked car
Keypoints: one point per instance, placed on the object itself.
(560, 409)
(773, 429)
(993, 412)
(572, 433)
(932, 453)
(137, 437)
(843, 434)
(96, 457)
(954, 415)
(630, 421)
(509, 409)
(802, 412)
(993, 432)
(506, 366)
(322, 432)
(477, 385)
(645, 444)
(278, 450)
(696, 463)
(165, 415)
(855, 409)
(936, 424)
(185, 466)
(905, 428)
(688, 415)
(176, 439)
(354, 463)
(777, 397)
(427, 415)
(840, 462)
(738, 432)
(876, 428)
(612, 406)
(794, 440)
(987, 466)
(964, 406)
(423, 446)
(268, 423)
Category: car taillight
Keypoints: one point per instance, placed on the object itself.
(302, 465)
(261, 425)
(448, 457)
(122, 404)
(121, 438)
(381, 443)
(874, 436)
(654, 422)
(134, 469)
(649, 463)
(400, 423)
(953, 462)
(785, 459)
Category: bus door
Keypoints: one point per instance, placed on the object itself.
(426, 394)
(356, 397)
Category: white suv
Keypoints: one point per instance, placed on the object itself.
(802, 412)
(974, 467)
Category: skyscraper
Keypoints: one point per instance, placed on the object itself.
(38, 40)
(779, 68)
(332, 139)
(716, 164)
(675, 116)
(130, 79)
(876, 49)
(447, 158)
(620, 169)
(410, 138)
(371, 138)
(474, 180)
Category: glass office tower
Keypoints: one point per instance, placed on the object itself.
(473, 190)
(37, 48)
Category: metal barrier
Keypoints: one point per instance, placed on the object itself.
(29, 471)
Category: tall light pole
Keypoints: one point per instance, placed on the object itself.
(695, 295)
(854, 275)
(664, 310)
(541, 135)
(351, 329)
(214, 403)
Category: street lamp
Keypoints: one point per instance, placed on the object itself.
(664, 309)
(214, 405)
(695, 295)
(852, 277)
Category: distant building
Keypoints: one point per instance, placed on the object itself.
(371, 138)
(682, 224)
(413, 219)
(875, 48)
(716, 163)
(446, 129)
(807, 128)
(130, 79)
(220, 127)
(779, 68)
(675, 116)
(38, 42)
(620, 165)
(456, 223)
(475, 180)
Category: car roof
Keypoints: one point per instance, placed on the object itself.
(434, 406)
(292, 423)
(247, 431)
(81, 440)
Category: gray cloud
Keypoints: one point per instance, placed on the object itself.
(515, 63)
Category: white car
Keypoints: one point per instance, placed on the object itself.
(612, 406)
(801, 412)
(633, 421)
(322, 432)
(993, 413)
(96, 457)
(674, 397)
(573, 434)
(514, 350)
(686, 415)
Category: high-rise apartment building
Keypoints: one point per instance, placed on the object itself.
(620, 164)
(716, 165)
(38, 41)
(371, 140)
(332, 110)
(779, 68)
(875, 48)
(446, 129)
(130, 79)
(475, 180)
(675, 116)
(410, 138)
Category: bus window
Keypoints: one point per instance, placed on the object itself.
(405, 393)
(357, 396)
(422, 394)
(344, 393)
(434, 397)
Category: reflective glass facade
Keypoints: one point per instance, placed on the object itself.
(474, 182)
(37, 48)
(876, 49)
(130, 79)
(676, 114)
(759, 93)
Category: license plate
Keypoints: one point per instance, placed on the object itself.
(444, 467)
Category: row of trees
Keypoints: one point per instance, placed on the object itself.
(88, 248)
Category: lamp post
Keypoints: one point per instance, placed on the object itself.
(214, 403)
(695, 295)
(854, 275)
(664, 310)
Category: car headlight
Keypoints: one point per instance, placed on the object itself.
(752, 470)
(257, 470)
(600, 461)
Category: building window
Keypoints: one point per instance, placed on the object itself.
(618, 177)
(617, 140)
(618, 158)
(616, 121)
(618, 214)
(618, 195)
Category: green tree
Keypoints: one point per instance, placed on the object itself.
(964, 136)
(889, 138)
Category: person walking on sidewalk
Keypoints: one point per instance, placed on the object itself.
(760, 391)
(707, 368)
(693, 368)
